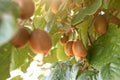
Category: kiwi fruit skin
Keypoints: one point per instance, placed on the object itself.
(40, 41)
(79, 49)
(68, 48)
(100, 24)
(64, 39)
(27, 8)
(55, 4)
(21, 37)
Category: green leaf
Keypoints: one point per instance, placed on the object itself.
(49, 26)
(55, 35)
(5, 56)
(24, 66)
(21, 58)
(47, 4)
(49, 16)
(111, 71)
(83, 29)
(116, 4)
(63, 9)
(51, 57)
(89, 75)
(39, 10)
(40, 77)
(7, 6)
(54, 29)
(17, 78)
(60, 53)
(88, 10)
(39, 22)
(106, 3)
(63, 70)
(55, 39)
(8, 27)
(106, 48)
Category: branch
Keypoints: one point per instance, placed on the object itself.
(115, 20)
(68, 24)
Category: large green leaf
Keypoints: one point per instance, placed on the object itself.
(51, 57)
(60, 53)
(39, 10)
(63, 70)
(39, 22)
(88, 10)
(89, 75)
(55, 35)
(106, 3)
(116, 4)
(83, 29)
(5, 60)
(106, 48)
(49, 16)
(55, 38)
(21, 58)
(8, 27)
(111, 71)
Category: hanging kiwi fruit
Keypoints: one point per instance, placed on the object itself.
(100, 24)
(21, 37)
(40, 41)
(79, 49)
(64, 38)
(68, 48)
(27, 8)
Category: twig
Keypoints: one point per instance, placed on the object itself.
(90, 41)
(114, 19)
(68, 24)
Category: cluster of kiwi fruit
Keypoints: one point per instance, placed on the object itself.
(73, 47)
(39, 40)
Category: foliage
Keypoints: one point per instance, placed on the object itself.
(63, 70)
(74, 18)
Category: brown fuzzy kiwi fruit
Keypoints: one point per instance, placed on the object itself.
(68, 48)
(55, 4)
(40, 41)
(27, 8)
(79, 49)
(64, 38)
(100, 24)
(21, 37)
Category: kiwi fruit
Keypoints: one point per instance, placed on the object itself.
(27, 8)
(64, 38)
(20, 38)
(68, 48)
(79, 49)
(40, 41)
(100, 24)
